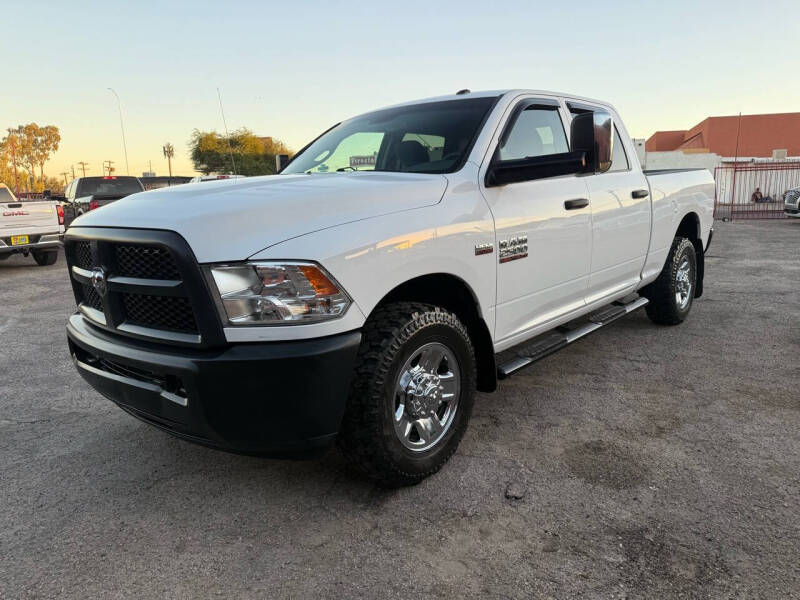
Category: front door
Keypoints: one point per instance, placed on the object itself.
(543, 227)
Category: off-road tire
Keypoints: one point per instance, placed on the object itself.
(367, 437)
(45, 258)
(663, 308)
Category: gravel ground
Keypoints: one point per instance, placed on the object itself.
(641, 462)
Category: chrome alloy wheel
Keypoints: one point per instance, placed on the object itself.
(683, 284)
(426, 396)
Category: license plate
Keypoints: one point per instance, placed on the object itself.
(19, 240)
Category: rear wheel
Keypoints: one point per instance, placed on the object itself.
(44, 258)
(412, 395)
(671, 295)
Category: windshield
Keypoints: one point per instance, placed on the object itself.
(433, 137)
(111, 186)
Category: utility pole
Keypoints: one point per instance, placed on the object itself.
(73, 170)
(107, 166)
(65, 173)
(83, 164)
(122, 127)
(169, 152)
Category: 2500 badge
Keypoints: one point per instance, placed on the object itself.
(514, 248)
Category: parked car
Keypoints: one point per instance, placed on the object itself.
(403, 260)
(791, 202)
(88, 193)
(30, 227)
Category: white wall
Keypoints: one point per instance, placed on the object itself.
(681, 160)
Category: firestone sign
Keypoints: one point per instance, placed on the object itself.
(362, 161)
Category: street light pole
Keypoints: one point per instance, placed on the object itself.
(122, 127)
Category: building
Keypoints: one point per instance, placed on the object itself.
(759, 136)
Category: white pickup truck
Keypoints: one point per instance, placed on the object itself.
(401, 261)
(30, 227)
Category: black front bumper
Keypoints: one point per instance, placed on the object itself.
(275, 398)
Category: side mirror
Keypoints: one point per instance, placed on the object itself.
(281, 160)
(593, 134)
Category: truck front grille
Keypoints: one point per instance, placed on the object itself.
(147, 262)
(162, 312)
(151, 288)
(90, 297)
(82, 255)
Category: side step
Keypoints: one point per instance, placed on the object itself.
(555, 340)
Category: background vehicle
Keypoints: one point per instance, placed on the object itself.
(161, 181)
(791, 202)
(88, 193)
(30, 227)
(201, 178)
(400, 262)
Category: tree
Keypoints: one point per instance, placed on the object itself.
(47, 141)
(252, 155)
(6, 166)
(55, 185)
(34, 146)
(169, 152)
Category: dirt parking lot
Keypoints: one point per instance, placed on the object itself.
(640, 462)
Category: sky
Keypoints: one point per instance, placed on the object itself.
(292, 69)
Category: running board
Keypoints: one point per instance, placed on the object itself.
(555, 340)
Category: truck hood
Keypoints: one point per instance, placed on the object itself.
(233, 219)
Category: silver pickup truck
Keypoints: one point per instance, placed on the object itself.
(32, 227)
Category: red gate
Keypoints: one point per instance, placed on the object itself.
(737, 183)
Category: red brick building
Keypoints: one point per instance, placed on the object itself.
(758, 137)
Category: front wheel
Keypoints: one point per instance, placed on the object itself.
(44, 258)
(412, 393)
(671, 295)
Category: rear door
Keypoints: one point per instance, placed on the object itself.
(620, 216)
(543, 248)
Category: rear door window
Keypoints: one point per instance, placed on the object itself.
(619, 160)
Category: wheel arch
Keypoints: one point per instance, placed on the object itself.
(689, 227)
(454, 294)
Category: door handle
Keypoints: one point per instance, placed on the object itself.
(576, 203)
(636, 194)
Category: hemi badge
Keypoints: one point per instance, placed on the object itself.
(483, 249)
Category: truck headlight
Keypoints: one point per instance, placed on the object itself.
(278, 293)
